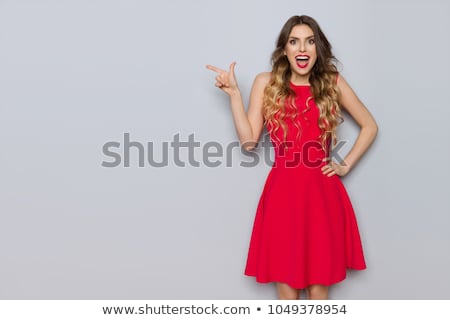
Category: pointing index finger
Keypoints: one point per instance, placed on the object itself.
(215, 69)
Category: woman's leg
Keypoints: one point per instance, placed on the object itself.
(286, 292)
(317, 292)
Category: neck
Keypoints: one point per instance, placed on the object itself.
(300, 80)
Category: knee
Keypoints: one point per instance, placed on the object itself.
(285, 292)
(287, 296)
(317, 292)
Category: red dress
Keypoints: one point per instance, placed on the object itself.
(305, 230)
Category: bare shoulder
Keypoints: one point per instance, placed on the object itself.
(257, 93)
(263, 78)
(341, 82)
(345, 91)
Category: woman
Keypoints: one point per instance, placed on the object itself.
(305, 234)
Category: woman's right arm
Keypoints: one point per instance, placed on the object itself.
(249, 125)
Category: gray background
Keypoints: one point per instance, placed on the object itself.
(77, 74)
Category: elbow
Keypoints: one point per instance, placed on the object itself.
(370, 130)
(249, 146)
(374, 129)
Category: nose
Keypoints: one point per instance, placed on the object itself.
(302, 47)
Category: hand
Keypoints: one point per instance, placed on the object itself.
(226, 81)
(333, 168)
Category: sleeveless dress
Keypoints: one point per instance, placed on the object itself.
(305, 230)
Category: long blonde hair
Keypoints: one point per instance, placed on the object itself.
(279, 97)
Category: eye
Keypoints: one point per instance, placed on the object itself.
(292, 41)
(312, 41)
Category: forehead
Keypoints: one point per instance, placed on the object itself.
(301, 31)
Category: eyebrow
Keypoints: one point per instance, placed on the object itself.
(309, 37)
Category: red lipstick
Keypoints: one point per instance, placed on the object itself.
(302, 60)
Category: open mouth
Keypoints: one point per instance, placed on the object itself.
(302, 61)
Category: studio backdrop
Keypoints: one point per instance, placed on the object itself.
(121, 176)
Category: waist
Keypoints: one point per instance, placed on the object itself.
(295, 158)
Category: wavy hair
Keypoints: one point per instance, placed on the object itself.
(279, 97)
